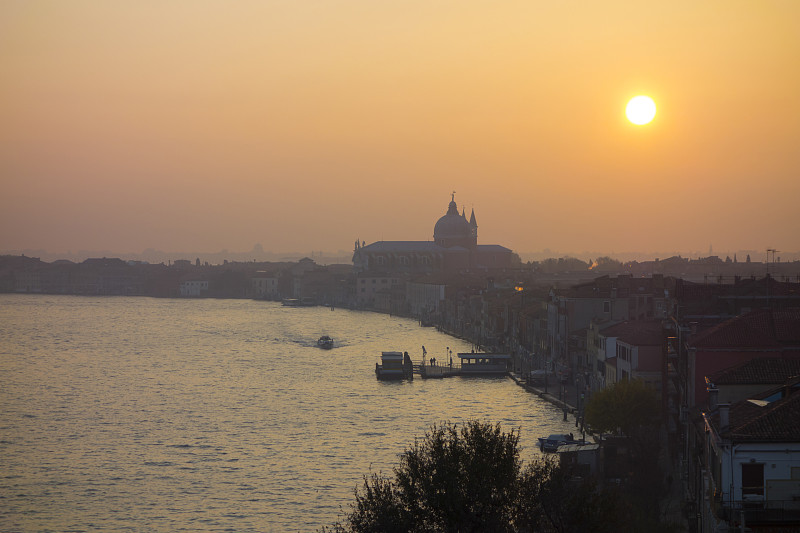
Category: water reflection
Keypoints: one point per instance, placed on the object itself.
(214, 414)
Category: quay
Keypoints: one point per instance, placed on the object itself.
(547, 395)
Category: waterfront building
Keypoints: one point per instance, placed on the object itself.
(605, 300)
(265, 286)
(193, 288)
(633, 350)
(454, 249)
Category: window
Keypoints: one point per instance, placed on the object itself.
(606, 307)
(380, 260)
(752, 479)
(622, 352)
(403, 260)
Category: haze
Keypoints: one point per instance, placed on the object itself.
(307, 124)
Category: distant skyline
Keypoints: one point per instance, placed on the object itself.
(345, 256)
(305, 125)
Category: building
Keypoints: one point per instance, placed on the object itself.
(454, 248)
(193, 288)
(741, 381)
(604, 300)
(751, 457)
(759, 333)
(634, 350)
(264, 285)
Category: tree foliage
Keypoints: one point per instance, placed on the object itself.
(633, 409)
(624, 406)
(470, 479)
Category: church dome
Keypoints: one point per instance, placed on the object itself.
(452, 227)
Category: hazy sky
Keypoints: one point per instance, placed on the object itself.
(303, 125)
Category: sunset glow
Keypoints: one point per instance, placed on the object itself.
(197, 126)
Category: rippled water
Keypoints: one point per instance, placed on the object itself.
(139, 414)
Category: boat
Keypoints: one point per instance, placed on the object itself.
(552, 442)
(291, 302)
(394, 366)
(325, 342)
(484, 364)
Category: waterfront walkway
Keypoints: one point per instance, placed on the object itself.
(564, 396)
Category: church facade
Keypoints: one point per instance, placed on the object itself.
(454, 249)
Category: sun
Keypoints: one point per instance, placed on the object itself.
(641, 110)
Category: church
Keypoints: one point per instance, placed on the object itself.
(454, 249)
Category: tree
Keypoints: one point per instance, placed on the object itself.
(455, 479)
(551, 500)
(471, 479)
(623, 406)
(631, 408)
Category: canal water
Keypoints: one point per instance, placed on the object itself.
(140, 414)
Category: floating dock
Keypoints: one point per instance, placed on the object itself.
(469, 364)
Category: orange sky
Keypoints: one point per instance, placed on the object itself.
(303, 125)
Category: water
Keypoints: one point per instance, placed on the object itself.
(139, 414)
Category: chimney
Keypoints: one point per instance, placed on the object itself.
(713, 397)
(724, 417)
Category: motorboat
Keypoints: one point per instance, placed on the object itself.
(325, 342)
(552, 442)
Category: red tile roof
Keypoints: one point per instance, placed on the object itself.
(761, 328)
(637, 332)
(775, 419)
(765, 370)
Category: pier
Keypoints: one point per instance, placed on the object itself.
(467, 364)
(428, 371)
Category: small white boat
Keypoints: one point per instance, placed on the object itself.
(552, 442)
(325, 342)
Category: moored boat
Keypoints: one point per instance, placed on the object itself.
(484, 364)
(552, 442)
(393, 366)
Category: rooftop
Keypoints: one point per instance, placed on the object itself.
(637, 332)
(768, 417)
(761, 328)
(761, 370)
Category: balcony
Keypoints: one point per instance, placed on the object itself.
(761, 512)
